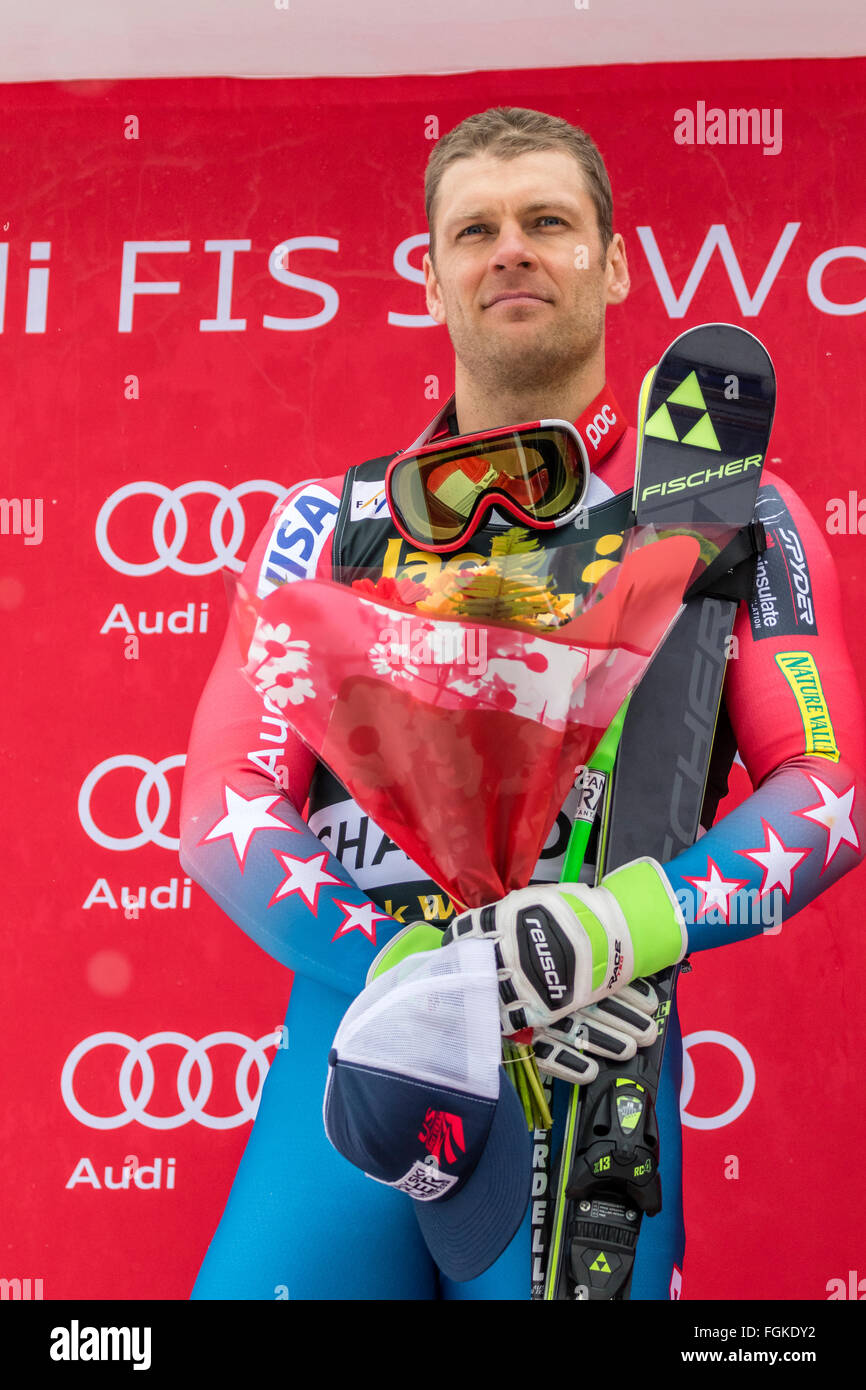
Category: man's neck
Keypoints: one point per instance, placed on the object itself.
(478, 408)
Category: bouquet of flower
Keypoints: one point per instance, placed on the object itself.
(458, 712)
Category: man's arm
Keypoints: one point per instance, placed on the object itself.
(796, 710)
(243, 837)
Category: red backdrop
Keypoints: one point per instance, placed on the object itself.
(232, 388)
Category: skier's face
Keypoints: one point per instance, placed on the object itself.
(524, 224)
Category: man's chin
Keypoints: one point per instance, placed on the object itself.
(527, 366)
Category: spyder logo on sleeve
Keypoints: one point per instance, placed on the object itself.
(782, 606)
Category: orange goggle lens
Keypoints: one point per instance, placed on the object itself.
(440, 494)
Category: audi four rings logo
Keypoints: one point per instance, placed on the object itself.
(747, 1089)
(171, 501)
(192, 1106)
(253, 1052)
(150, 828)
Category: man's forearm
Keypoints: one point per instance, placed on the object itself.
(790, 840)
(260, 862)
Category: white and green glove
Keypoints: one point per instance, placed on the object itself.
(570, 962)
(417, 936)
(615, 1028)
(564, 950)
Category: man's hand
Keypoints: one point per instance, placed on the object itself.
(415, 937)
(615, 1027)
(562, 947)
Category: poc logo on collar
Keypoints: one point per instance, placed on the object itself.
(599, 425)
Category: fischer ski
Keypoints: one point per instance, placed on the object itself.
(704, 422)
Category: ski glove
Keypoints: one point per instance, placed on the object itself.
(613, 1028)
(561, 947)
(417, 936)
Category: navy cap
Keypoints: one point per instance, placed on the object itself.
(418, 1099)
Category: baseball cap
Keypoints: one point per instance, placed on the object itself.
(418, 1099)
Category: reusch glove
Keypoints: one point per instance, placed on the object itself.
(561, 947)
(615, 1027)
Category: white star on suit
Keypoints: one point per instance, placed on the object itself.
(777, 860)
(834, 814)
(244, 816)
(305, 876)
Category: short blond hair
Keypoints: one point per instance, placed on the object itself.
(508, 131)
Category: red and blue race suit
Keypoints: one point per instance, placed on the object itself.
(280, 845)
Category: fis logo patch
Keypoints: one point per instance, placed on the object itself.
(368, 500)
(783, 604)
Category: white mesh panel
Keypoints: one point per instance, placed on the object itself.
(435, 1017)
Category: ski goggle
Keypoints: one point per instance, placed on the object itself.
(440, 494)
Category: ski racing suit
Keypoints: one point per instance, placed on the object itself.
(279, 844)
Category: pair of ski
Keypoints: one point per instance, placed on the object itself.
(704, 422)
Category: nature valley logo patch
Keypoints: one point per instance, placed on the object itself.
(801, 673)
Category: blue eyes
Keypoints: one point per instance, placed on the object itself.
(476, 226)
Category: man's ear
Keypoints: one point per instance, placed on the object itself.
(435, 306)
(618, 279)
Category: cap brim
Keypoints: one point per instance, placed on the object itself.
(466, 1233)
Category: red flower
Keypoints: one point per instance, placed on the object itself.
(388, 590)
